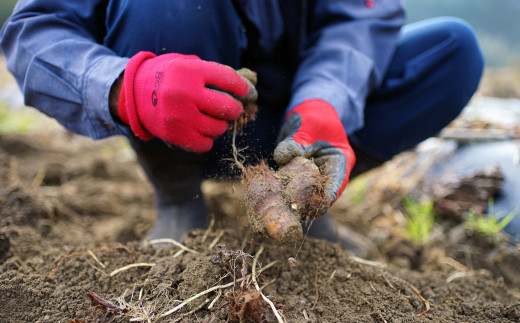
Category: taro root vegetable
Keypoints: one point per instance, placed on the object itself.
(277, 202)
(268, 213)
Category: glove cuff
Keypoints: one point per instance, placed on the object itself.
(121, 105)
(127, 108)
(319, 106)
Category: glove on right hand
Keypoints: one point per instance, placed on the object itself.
(167, 96)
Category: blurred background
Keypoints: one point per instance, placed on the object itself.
(6, 7)
(495, 22)
(498, 31)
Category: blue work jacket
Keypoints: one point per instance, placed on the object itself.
(65, 55)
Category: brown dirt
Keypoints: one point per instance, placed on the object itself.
(72, 211)
(501, 82)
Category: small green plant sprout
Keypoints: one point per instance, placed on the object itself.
(419, 220)
(489, 225)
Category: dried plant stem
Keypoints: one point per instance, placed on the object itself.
(253, 277)
(459, 274)
(268, 283)
(194, 297)
(305, 315)
(332, 276)
(192, 311)
(275, 311)
(216, 240)
(255, 261)
(210, 227)
(141, 264)
(174, 242)
(96, 258)
(140, 319)
(178, 253)
(207, 291)
(382, 318)
(416, 292)
(235, 150)
(93, 251)
(269, 265)
(455, 264)
(215, 300)
(96, 268)
(368, 262)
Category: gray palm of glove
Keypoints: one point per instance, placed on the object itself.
(313, 130)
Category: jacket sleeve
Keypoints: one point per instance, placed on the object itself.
(347, 50)
(53, 48)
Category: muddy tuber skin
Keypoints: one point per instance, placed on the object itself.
(268, 213)
(277, 202)
(304, 188)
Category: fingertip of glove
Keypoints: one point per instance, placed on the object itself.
(243, 88)
(251, 93)
(236, 110)
(285, 151)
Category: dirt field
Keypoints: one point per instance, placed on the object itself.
(73, 211)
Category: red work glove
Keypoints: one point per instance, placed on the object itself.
(167, 96)
(313, 129)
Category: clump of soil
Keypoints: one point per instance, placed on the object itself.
(67, 232)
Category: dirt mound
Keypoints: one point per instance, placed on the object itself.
(72, 213)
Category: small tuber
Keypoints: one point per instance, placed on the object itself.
(277, 202)
(250, 107)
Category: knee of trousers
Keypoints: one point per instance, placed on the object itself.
(465, 64)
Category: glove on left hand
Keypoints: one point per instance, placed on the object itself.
(313, 129)
(180, 99)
